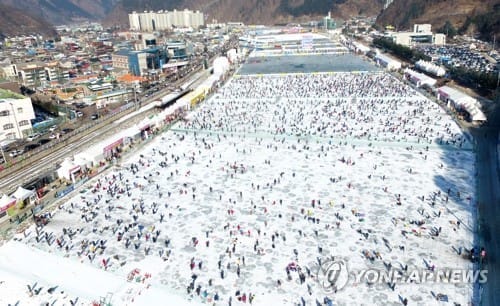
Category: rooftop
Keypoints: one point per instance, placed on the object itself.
(7, 94)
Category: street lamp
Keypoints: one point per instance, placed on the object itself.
(1, 149)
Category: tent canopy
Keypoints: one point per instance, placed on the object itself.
(6, 200)
(23, 194)
(464, 101)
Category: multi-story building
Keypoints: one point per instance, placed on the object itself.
(145, 60)
(165, 20)
(31, 75)
(120, 59)
(34, 75)
(16, 113)
(421, 34)
(177, 50)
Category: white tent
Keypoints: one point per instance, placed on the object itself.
(221, 65)
(22, 194)
(419, 79)
(6, 202)
(359, 47)
(387, 62)
(82, 160)
(67, 170)
(461, 100)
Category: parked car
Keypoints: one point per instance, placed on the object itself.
(53, 136)
(15, 153)
(79, 114)
(53, 128)
(33, 137)
(95, 116)
(66, 130)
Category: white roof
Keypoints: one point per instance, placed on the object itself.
(386, 58)
(22, 193)
(470, 104)
(361, 47)
(424, 79)
(454, 94)
(5, 199)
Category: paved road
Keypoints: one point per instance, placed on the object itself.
(489, 203)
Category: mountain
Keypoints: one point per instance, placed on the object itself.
(14, 22)
(64, 11)
(254, 11)
(463, 16)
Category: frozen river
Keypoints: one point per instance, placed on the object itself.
(219, 208)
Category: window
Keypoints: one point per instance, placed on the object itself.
(24, 122)
(11, 135)
(4, 113)
(8, 126)
(19, 110)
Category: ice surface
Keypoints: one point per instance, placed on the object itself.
(308, 168)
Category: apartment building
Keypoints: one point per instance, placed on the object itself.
(16, 113)
(165, 20)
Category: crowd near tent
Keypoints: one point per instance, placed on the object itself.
(430, 68)
(419, 79)
(387, 62)
(461, 102)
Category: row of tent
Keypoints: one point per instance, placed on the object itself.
(97, 153)
(453, 97)
(92, 156)
(20, 196)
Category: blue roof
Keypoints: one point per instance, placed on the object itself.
(123, 52)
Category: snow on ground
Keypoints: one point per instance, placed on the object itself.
(227, 200)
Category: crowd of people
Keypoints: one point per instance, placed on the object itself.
(244, 210)
(370, 106)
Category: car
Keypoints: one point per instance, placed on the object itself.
(33, 137)
(94, 116)
(53, 136)
(16, 152)
(66, 131)
(53, 128)
(79, 114)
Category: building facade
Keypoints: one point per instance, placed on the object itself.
(165, 20)
(421, 34)
(140, 62)
(16, 114)
(120, 59)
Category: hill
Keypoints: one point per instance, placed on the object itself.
(64, 11)
(254, 11)
(15, 22)
(471, 17)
